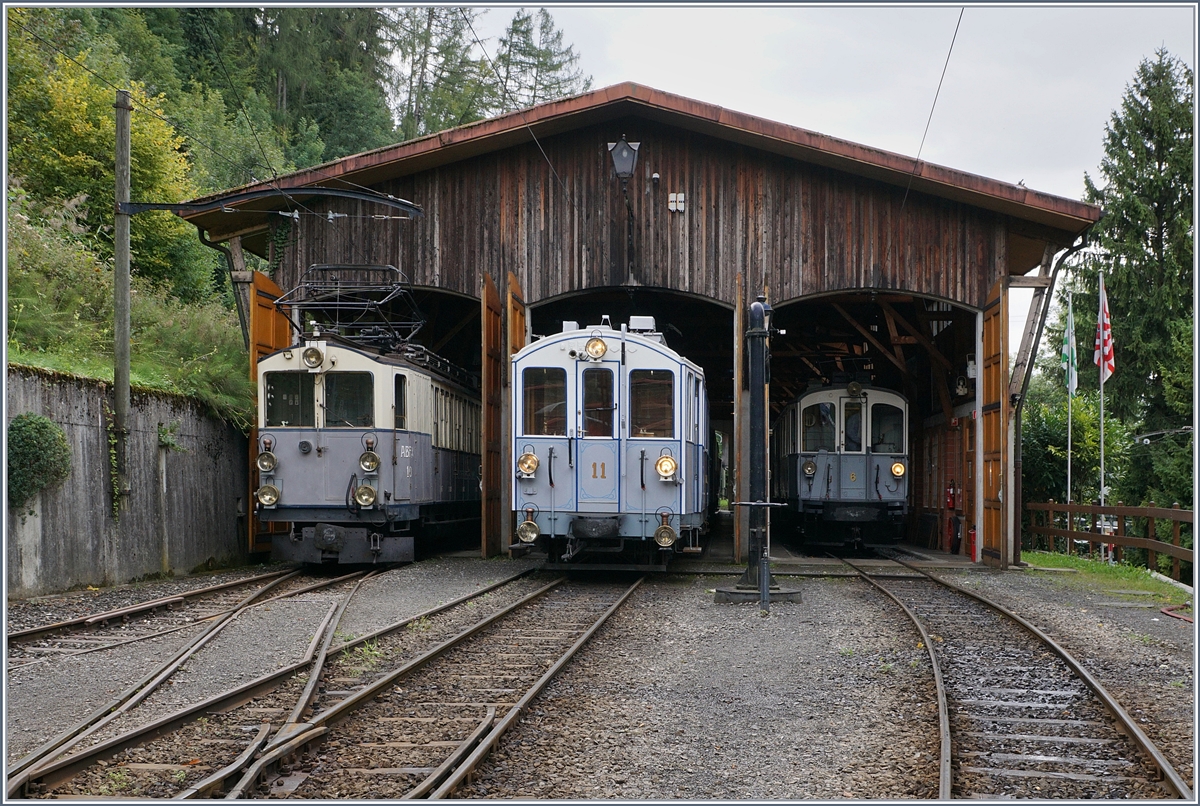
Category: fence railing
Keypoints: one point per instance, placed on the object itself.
(1119, 526)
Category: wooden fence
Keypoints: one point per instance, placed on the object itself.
(1117, 526)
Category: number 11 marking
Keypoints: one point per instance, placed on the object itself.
(602, 476)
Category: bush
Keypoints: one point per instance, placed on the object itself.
(38, 457)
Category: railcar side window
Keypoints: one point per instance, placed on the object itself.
(289, 399)
(651, 403)
(401, 401)
(597, 403)
(818, 433)
(854, 425)
(349, 400)
(887, 428)
(545, 401)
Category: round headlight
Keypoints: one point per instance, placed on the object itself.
(595, 347)
(527, 463)
(664, 535)
(267, 495)
(666, 466)
(365, 496)
(369, 461)
(897, 469)
(810, 468)
(266, 461)
(527, 532)
(312, 357)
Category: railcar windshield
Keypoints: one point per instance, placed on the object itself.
(819, 428)
(887, 428)
(349, 400)
(289, 399)
(852, 413)
(652, 403)
(598, 403)
(545, 401)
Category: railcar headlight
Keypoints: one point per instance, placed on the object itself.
(312, 357)
(266, 462)
(898, 469)
(369, 461)
(664, 536)
(364, 496)
(527, 463)
(666, 467)
(528, 531)
(595, 347)
(810, 468)
(267, 495)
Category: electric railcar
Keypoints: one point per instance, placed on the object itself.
(840, 460)
(610, 442)
(365, 440)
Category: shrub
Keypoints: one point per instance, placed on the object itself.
(38, 456)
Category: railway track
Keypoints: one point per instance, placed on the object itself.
(1020, 717)
(203, 748)
(137, 622)
(259, 593)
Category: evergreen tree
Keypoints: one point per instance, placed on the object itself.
(533, 66)
(1143, 244)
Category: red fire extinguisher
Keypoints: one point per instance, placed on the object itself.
(950, 496)
(971, 543)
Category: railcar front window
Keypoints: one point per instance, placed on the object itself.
(545, 401)
(819, 428)
(289, 399)
(652, 403)
(887, 428)
(854, 425)
(349, 400)
(597, 403)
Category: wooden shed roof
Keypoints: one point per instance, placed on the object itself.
(1063, 218)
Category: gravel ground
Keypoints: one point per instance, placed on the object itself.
(677, 697)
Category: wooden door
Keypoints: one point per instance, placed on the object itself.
(269, 330)
(492, 393)
(994, 417)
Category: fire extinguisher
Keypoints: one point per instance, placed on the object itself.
(950, 496)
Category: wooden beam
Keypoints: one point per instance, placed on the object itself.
(866, 334)
(939, 379)
(921, 338)
(1037, 309)
(1036, 281)
(452, 332)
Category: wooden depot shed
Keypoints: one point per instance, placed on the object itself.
(872, 261)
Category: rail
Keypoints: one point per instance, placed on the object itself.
(1111, 525)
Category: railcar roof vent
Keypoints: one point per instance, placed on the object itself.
(569, 326)
(641, 324)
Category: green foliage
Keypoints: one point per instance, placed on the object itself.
(38, 457)
(1102, 576)
(1144, 247)
(60, 306)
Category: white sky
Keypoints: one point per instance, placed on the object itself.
(1026, 95)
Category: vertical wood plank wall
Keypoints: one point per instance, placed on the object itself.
(798, 229)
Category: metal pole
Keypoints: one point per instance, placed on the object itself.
(758, 562)
(121, 285)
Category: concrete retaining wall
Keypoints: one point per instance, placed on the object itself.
(185, 508)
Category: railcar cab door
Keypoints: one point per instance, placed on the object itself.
(544, 427)
(853, 476)
(597, 466)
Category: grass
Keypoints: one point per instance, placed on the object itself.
(1102, 576)
(363, 658)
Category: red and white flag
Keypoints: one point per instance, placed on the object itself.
(1103, 356)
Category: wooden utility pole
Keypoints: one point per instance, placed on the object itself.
(121, 288)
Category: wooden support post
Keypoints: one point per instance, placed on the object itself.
(1151, 554)
(1175, 541)
(1117, 548)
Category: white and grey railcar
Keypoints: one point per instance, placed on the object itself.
(842, 459)
(610, 441)
(358, 449)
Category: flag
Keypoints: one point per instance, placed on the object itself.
(1069, 360)
(1103, 356)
